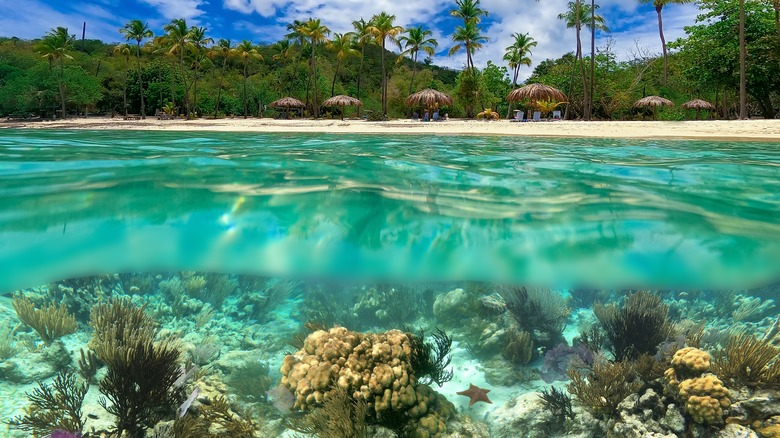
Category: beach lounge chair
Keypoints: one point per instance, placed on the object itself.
(537, 116)
(518, 116)
(436, 116)
(556, 115)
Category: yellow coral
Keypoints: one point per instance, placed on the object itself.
(692, 360)
(704, 409)
(705, 398)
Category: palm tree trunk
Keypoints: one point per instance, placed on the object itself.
(221, 83)
(335, 74)
(245, 107)
(184, 83)
(140, 80)
(742, 63)
(514, 85)
(61, 85)
(592, 89)
(663, 41)
(360, 73)
(124, 93)
(314, 78)
(582, 71)
(414, 70)
(195, 90)
(776, 5)
(384, 80)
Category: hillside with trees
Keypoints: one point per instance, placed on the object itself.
(187, 71)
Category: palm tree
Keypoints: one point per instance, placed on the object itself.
(247, 52)
(415, 40)
(469, 10)
(383, 29)
(363, 37)
(317, 33)
(467, 37)
(517, 55)
(742, 63)
(197, 39)
(284, 51)
(137, 30)
(177, 34)
(341, 45)
(124, 51)
(659, 5)
(223, 49)
(54, 47)
(575, 16)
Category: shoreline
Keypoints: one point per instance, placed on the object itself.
(723, 130)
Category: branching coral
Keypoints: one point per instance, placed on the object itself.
(430, 360)
(140, 380)
(538, 311)
(54, 407)
(51, 322)
(748, 360)
(638, 327)
(604, 387)
(338, 417)
(558, 403)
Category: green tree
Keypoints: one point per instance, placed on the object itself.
(518, 55)
(123, 50)
(659, 6)
(197, 40)
(138, 31)
(416, 39)
(54, 47)
(384, 29)
(469, 10)
(246, 51)
(468, 38)
(317, 33)
(177, 34)
(341, 45)
(222, 50)
(363, 37)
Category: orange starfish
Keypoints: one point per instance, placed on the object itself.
(476, 394)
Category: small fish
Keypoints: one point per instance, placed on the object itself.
(187, 403)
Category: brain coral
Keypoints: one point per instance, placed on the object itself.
(375, 367)
(691, 360)
(704, 395)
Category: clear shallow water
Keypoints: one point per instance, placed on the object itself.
(550, 212)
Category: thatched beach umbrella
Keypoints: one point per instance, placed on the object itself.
(654, 102)
(287, 102)
(535, 92)
(698, 105)
(342, 101)
(428, 97)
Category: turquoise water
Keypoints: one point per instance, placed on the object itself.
(550, 212)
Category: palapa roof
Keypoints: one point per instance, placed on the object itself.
(698, 104)
(287, 102)
(342, 100)
(535, 92)
(653, 101)
(428, 97)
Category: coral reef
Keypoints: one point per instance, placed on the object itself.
(558, 403)
(339, 417)
(54, 407)
(430, 359)
(51, 322)
(747, 360)
(703, 395)
(375, 368)
(604, 387)
(519, 348)
(560, 359)
(636, 327)
(541, 312)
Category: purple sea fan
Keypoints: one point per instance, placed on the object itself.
(282, 399)
(65, 434)
(558, 360)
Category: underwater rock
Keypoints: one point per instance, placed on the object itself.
(736, 431)
(525, 416)
(673, 419)
(466, 427)
(452, 308)
(763, 403)
(33, 366)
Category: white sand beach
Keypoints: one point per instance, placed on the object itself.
(757, 129)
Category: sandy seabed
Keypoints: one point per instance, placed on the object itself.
(757, 130)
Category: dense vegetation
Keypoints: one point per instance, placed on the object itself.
(186, 71)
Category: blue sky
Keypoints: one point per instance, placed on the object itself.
(634, 26)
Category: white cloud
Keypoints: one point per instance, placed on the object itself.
(172, 9)
(35, 19)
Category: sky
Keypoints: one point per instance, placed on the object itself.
(634, 26)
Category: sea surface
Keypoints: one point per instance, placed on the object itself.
(238, 245)
(541, 211)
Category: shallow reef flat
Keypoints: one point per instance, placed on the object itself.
(195, 354)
